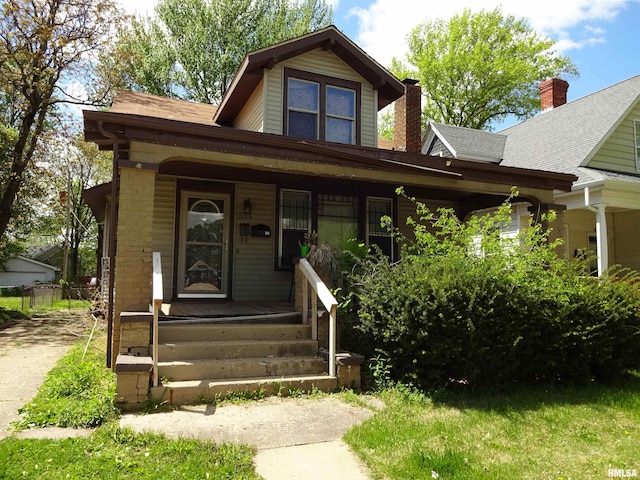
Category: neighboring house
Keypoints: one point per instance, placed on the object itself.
(49, 254)
(226, 193)
(597, 139)
(22, 271)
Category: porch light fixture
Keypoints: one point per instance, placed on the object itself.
(247, 208)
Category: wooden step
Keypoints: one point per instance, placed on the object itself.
(198, 391)
(241, 368)
(174, 333)
(198, 350)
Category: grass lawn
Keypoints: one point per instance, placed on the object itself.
(553, 433)
(15, 303)
(113, 452)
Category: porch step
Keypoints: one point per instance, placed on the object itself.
(217, 350)
(196, 391)
(182, 332)
(241, 368)
(269, 318)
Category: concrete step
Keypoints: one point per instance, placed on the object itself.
(168, 352)
(175, 333)
(241, 368)
(271, 318)
(197, 391)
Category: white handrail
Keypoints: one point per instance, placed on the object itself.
(330, 303)
(157, 305)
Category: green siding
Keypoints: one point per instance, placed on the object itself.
(324, 63)
(618, 152)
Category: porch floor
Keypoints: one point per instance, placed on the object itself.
(200, 309)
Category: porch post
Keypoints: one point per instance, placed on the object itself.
(133, 266)
(602, 243)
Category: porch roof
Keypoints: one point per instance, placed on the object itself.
(162, 121)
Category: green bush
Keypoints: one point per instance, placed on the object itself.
(467, 306)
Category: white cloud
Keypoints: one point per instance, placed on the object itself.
(383, 26)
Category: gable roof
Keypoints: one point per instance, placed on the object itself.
(565, 138)
(467, 143)
(330, 38)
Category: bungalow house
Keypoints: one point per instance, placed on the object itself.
(597, 139)
(224, 194)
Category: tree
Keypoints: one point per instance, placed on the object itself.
(72, 166)
(478, 68)
(193, 48)
(43, 44)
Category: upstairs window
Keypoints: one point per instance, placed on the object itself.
(321, 108)
(303, 106)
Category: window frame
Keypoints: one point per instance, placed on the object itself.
(313, 194)
(281, 193)
(323, 81)
(368, 233)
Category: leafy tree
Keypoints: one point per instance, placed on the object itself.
(193, 48)
(478, 68)
(43, 44)
(72, 166)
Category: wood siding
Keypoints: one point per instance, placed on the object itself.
(324, 63)
(254, 276)
(627, 239)
(164, 229)
(618, 152)
(582, 223)
(252, 115)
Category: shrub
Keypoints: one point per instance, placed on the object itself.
(467, 306)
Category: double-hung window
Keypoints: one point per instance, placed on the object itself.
(321, 108)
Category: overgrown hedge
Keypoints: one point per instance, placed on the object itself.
(466, 306)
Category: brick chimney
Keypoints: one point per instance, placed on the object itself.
(407, 135)
(553, 93)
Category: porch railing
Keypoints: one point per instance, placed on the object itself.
(156, 306)
(320, 290)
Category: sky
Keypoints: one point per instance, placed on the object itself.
(602, 37)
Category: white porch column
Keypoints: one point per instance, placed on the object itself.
(601, 236)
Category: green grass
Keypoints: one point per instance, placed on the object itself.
(9, 317)
(117, 453)
(553, 433)
(77, 392)
(15, 303)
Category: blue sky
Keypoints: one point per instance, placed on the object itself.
(602, 37)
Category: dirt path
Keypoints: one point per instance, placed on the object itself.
(28, 350)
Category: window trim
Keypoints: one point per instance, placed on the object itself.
(281, 192)
(367, 232)
(314, 192)
(323, 81)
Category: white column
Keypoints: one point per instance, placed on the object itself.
(601, 236)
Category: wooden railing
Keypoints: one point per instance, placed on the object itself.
(320, 291)
(156, 303)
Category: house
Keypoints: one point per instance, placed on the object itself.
(597, 139)
(225, 194)
(20, 271)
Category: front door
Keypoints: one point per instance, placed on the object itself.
(203, 263)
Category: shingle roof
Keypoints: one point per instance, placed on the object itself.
(562, 139)
(162, 107)
(471, 144)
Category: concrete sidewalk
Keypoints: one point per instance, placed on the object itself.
(296, 438)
